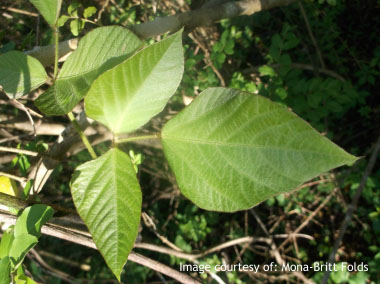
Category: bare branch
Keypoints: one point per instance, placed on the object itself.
(84, 240)
(161, 25)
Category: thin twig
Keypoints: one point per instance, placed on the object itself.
(74, 237)
(311, 34)
(351, 208)
(19, 179)
(18, 151)
(15, 10)
(308, 219)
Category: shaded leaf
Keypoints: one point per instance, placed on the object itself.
(129, 95)
(6, 242)
(20, 74)
(32, 219)
(98, 51)
(49, 9)
(5, 271)
(230, 150)
(107, 196)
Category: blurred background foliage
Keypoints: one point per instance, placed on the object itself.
(319, 58)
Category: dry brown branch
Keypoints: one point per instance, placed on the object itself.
(75, 237)
(311, 216)
(162, 25)
(18, 151)
(352, 207)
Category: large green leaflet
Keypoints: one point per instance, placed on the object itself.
(49, 9)
(129, 95)
(107, 196)
(98, 51)
(20, 74)
(230, 150)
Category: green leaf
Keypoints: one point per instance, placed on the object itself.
(129, 95)
(89, 11)
(107, 196)
(32, 219)
(6, 242)
(23, 279)
(266, 70)
(62, 20)
(49, 9)
(20, 247)
(73, 9)
(98, 51)
(230, 150)
(5, 271)
(20, 74)
(76, 26)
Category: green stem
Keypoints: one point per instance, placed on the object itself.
(56, 37)
(136, 138)
(81, 134)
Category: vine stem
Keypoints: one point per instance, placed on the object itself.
(136, 138)
(56, 53)
(82, 135)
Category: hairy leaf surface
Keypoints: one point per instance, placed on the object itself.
(129, 95)
(20, 74)
(98, 51)
(108, 198)
(49, 9)
(230, 150)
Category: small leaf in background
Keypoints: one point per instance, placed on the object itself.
(231, 150)
(129, 95)
(49, 9)
(62, 20)
(9, 186)
(20, 74)
(267, 71)
(89, 11)
(5, 270)
(76, 26)
(73, 9)
(32, 219)
(98, 51)
(108, 198)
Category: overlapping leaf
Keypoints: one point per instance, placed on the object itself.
(98, 51)
(20, 74)
(49, 9)
(129, 95)
(230, 150)
(107, 196)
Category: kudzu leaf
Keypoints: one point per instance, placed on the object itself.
(107, 196)
(230, 150)
(129, 95)
(98, 51)
(49, 9)
(20, 74)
